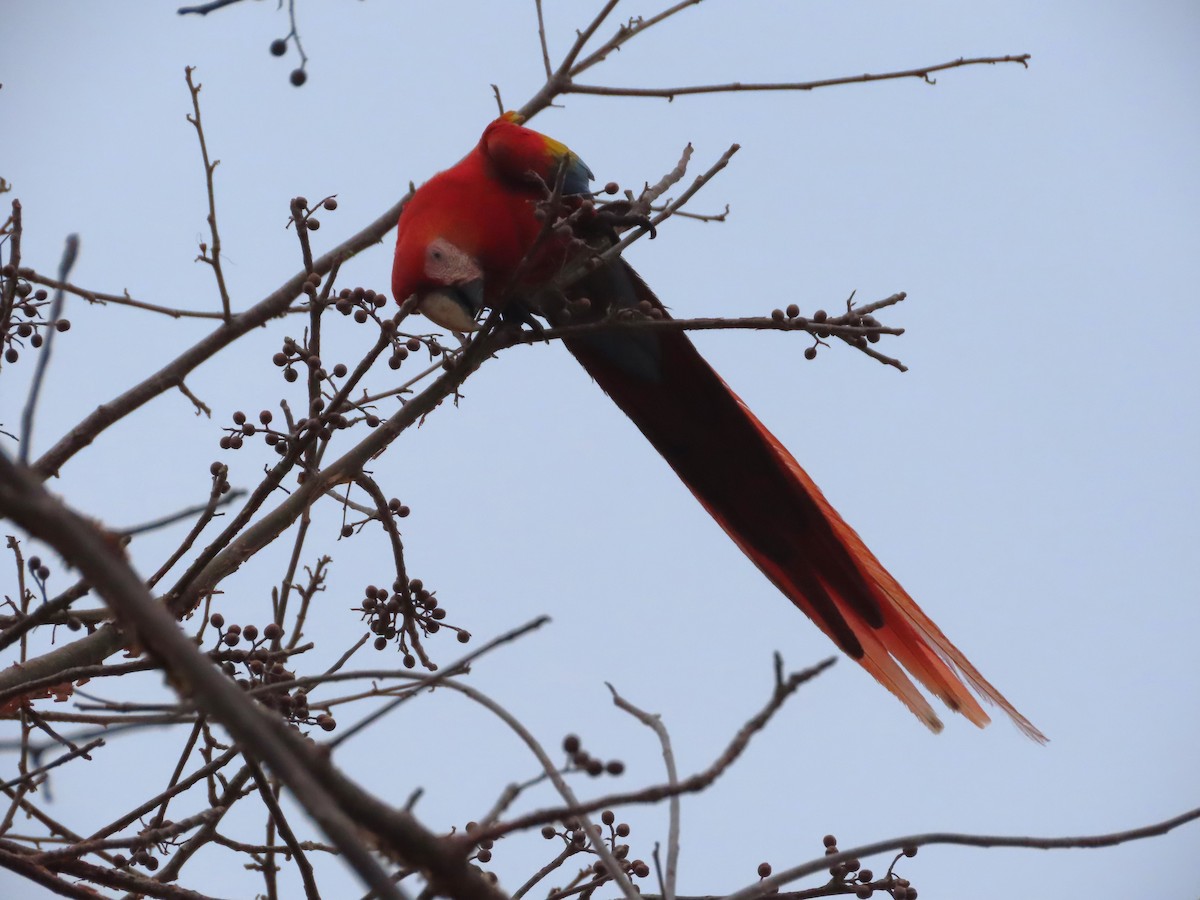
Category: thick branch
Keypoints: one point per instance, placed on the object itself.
(173, 373)
(324, 793)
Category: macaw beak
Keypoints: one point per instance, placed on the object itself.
(454, 306)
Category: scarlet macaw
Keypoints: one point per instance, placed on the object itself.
(462, 243)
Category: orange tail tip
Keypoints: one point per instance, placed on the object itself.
(908, 636)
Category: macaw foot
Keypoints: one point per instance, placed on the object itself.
(517, 313)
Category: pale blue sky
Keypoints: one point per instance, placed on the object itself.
(1032, 480)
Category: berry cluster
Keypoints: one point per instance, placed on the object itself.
(38, 569)
(330, 405)
(159, 837)
(29, 303)
(364, 305)
(318, 425)
(484, 852)
(614, 834)
(394, 507)
(293, 356)
(262, 666)
(389, 613)
(140, 857)
(849, 873)
(307, 217)
(327, 412)
(279, 47)
(636, 867)
(40, 573)
(851, 319)
(583, 761)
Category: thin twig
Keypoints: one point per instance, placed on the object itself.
(66, 757)
(664, 184)
(202, 408)
(210, 255)
(170, 519)
(47, 612)
(267, 793)
(457, 668)
(294, 33)
(924, 73)
(9, 296)
(1090, 841)
(783, 689)
(756, 323)
(316, 583)
(542, 39)
(627, 32)
(219, 494)
(586, 35)
(243, 847)
(282, 594)
(568, 850)
(154, 835)
(205, 8)
(70, 253)
(840, 326)
(102, 299)
(161, 799)
(700, 181)
(15, 857)
(615, 870)
(161, 814)
(234, 790)
(121, 719)
(655, 723)
(72, 674)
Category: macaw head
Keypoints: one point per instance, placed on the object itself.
(467, 229)
(520, 155)
(446, 279)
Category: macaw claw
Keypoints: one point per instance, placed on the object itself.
(517, 312)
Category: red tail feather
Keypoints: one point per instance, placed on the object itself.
(769, 506)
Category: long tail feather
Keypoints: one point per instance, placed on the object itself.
(757, 492)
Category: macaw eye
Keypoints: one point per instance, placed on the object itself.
(446, 264)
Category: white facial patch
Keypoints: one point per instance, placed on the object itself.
(459, 298)
(446, 264)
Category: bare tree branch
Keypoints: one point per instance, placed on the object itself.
(655, 724)
(783, 689)
(210, 254)
(24, 500)
(733, 87)
(70, 253)
(173, 373)
(1092, 841)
